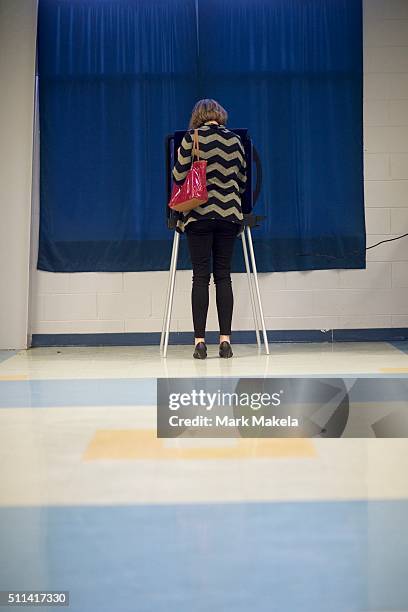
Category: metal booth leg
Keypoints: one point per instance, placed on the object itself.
(255, 275)
(168, 294)
(164, 340)
(251, 290)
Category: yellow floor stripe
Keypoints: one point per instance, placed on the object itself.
(143, 444)
(14, 377)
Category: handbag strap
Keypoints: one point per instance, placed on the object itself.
(196, 147)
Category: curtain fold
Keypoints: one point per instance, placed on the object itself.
(117, 76)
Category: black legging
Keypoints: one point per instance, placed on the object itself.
(215, 236)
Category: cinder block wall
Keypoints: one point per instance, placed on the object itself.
(320, 299)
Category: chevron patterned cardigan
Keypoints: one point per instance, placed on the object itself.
(226, 173)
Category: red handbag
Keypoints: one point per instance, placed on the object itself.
(193, 191)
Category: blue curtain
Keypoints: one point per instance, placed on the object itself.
(291, 71)
(117, 76)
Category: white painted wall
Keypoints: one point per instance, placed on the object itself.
(319, 299)
(17, 68)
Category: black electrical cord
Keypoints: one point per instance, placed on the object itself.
(352, 252)
(388, 240)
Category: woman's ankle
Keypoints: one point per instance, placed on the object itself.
(197, 340)
(224, 338)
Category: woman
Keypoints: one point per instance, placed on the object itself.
(212, 227)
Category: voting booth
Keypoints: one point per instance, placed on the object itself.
(248, 200)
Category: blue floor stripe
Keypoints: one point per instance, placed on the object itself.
(77, 392)
(309, 557)
(142, 391)
(4, 355)
(401, 345)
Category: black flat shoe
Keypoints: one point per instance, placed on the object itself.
(200, 351)
(225, 349)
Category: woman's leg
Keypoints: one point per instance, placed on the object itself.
(223, 246)
(200, 239)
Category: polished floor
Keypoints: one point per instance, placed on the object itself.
(92, 502)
